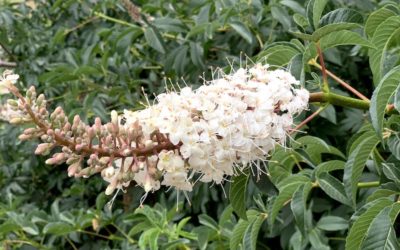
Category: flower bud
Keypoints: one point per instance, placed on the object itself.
(114, 117)
(43, 149)
(12, 102)
(110, 189)
(57, 159)
(40, 99)
(16, 120)
(24, 137)
(108, 172)
(74, 169)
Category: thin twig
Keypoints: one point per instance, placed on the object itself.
(340, 81)
(7, 64)
(323, 68)
(298, 127)
(71, 243)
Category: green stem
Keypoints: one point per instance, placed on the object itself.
(123, 233)
(368, 184)
(115, 20)
(339, 100)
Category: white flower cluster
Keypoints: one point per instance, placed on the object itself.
(225, 124)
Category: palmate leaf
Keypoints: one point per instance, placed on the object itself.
(356, 163)
(397, 100)
(342, 15)
(391, 171)
(328, 166)
(242, 30)
(58, 228)
(278, 54)
(237, 195)
(376, 18)
(239, 230)
(285, 195)
(314, 12)
(299, 206)
(381, 96)
(343, 37)
(339, 19)
(333, 187)
(381, 39)
(394, 145)
(154, 40)
(332, 223)
(251, 233)
(358, 231)
(381, 235)
(329, 28)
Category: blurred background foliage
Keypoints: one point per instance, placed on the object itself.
(92, 56)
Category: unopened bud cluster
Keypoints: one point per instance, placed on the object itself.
(205, 134)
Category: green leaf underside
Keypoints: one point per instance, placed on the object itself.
(355, 164)
(381, 39)
(360, 227)
(381, 96)
(333, 187)
(237, 194)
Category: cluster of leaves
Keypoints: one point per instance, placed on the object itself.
(326, 191)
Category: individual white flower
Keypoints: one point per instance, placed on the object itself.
(177, 180)
(6, 81)
(145, 180)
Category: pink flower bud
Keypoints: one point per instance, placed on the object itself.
(74, 169)
(24, 137)
(43, 149)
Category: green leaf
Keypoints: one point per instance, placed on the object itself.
(328, 29)
(333, 187)
(58, 228)
(251, 233)
(397, 100)
(285, 195)
(7, 227)
(237, 194)
(355, 165)
(314, 12)
(394, 145)
(208, 222)
(381, 96)
(235, 241)
(342, 15)
(150, 238)
(332, 223)
(391, 171)
(197, 55)
(300, 20)
(242, 30)
(381, 235)
(358, 230)
(278, 55)
(383, 36)
(237, 235)
(376, 18)
(381, 193)
(154, 40)
(343, 37)
(329, 166)
(299, 205)
(361, 136)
